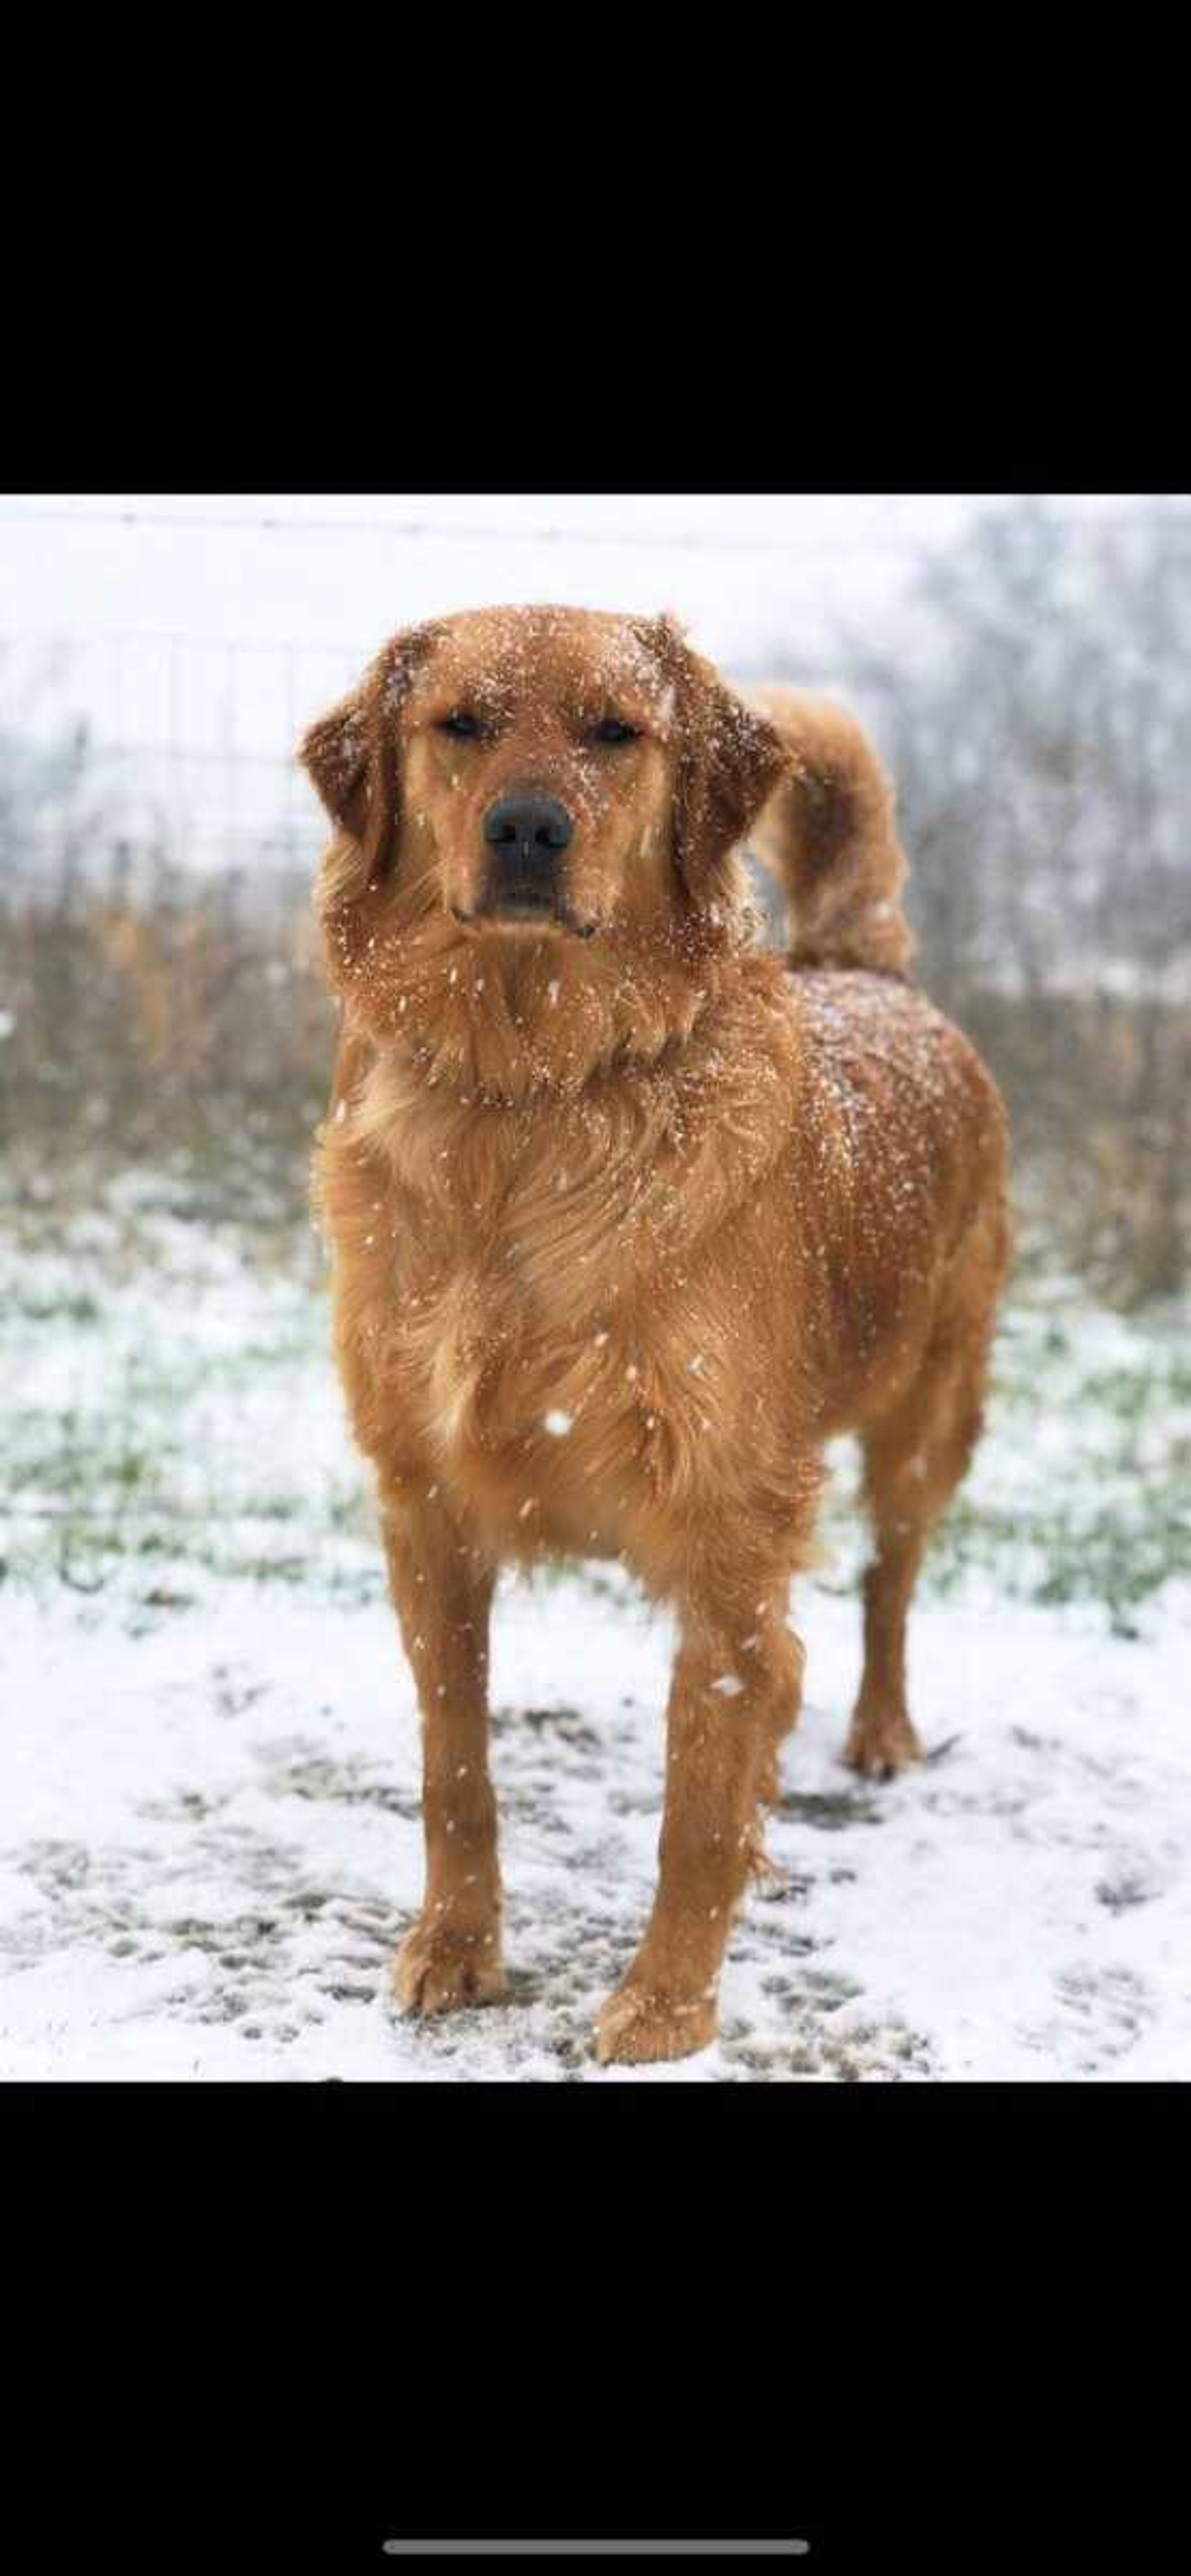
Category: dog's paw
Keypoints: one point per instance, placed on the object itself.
(762, 1871)
(882, 1745)
(439, 1970)
(638, 2024)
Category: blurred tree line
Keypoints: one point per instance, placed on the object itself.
(1032, 706)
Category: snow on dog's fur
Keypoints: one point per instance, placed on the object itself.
(628, 1219)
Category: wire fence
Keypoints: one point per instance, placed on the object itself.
(717, 540)
(189, 740)
(166, 754)
(161, 750)
(143, 754)
(712, 541)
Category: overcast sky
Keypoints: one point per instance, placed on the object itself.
(342, 569)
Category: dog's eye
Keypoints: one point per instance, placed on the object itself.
(462, 724)
(614, 730)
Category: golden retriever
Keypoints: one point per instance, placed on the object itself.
(628, 1218)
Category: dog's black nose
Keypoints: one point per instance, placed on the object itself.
(528, 827)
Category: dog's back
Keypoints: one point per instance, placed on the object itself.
(828, 838)
(922, 1117)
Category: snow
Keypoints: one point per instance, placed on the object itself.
(209, 1775)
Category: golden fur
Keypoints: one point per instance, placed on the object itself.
(827, 834)
(628, 1219)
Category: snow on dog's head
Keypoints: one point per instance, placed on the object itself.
(530, 784)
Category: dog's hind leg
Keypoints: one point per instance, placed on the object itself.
(914, 1458)
(442, 1591)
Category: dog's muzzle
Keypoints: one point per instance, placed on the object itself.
(525, 837)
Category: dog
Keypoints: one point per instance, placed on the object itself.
(628, 1215)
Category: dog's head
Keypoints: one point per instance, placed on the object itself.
(536, 771)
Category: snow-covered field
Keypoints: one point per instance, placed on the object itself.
(209, 1763)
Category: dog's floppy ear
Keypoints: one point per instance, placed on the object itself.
(351, 755)
(334, 754)
(728, 761)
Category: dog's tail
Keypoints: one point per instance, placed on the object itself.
(827, 836)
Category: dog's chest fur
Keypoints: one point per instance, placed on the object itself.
(535, 1286)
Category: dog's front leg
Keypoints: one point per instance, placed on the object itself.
(442, 1590)
(732, 1697)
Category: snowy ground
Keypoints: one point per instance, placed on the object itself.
(210, 1842)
